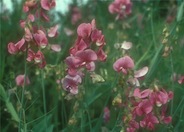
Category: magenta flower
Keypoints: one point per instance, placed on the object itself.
(47, 4)
(20, 80)
(40, 39)
(144, 107)
(70, 83)
(98, 37)
(149, 121)
(123, 64)
(84, 30)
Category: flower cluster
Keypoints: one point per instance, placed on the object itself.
(35, 37)
(82, 56)
(149, 109)
(120, 7)
(146, 107)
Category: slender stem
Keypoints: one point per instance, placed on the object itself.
(22, 112)
(44, 97)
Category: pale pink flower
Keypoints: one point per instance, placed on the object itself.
(140, 73)
(70, 83)
(126, 45)
(56, 47)
(20, 80)
(53, 31)
(123, 64)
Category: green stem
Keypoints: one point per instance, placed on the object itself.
(22, 112)
(44, 97)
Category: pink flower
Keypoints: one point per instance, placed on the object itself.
(142, 94)
(149, 121)
(12, 48)
(76, 15)
(15, 48)
(20, 80)
(47, 4)
(144, 107)
(120, 7)
(70, 83)
(181, 80)
(98, 37)
(53, 31)
(28, 35)
(39, 57)
(106, 115)
(40, 39)
(101, 55)
(84, 30)
(86, 56)
(31, 55)
(31, 17)
(123, 64)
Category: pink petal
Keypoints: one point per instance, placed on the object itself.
(12, 49)
(167, 120)
(20, 80)
(87, 55)
(53, 31)
(141, 72)
(56, 47)
(84, 30)
(90, 66)
(123, 63)
(20, 44)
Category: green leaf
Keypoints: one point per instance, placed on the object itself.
(180, 12)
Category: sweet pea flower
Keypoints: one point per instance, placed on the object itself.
(84, 30)
(123, 64)
(20, 80)
(15, 48)
(70, 83)
(12, 48)
(41, 39)
(120, 7)
(143, 107)
(47, 4)
(53, 31)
